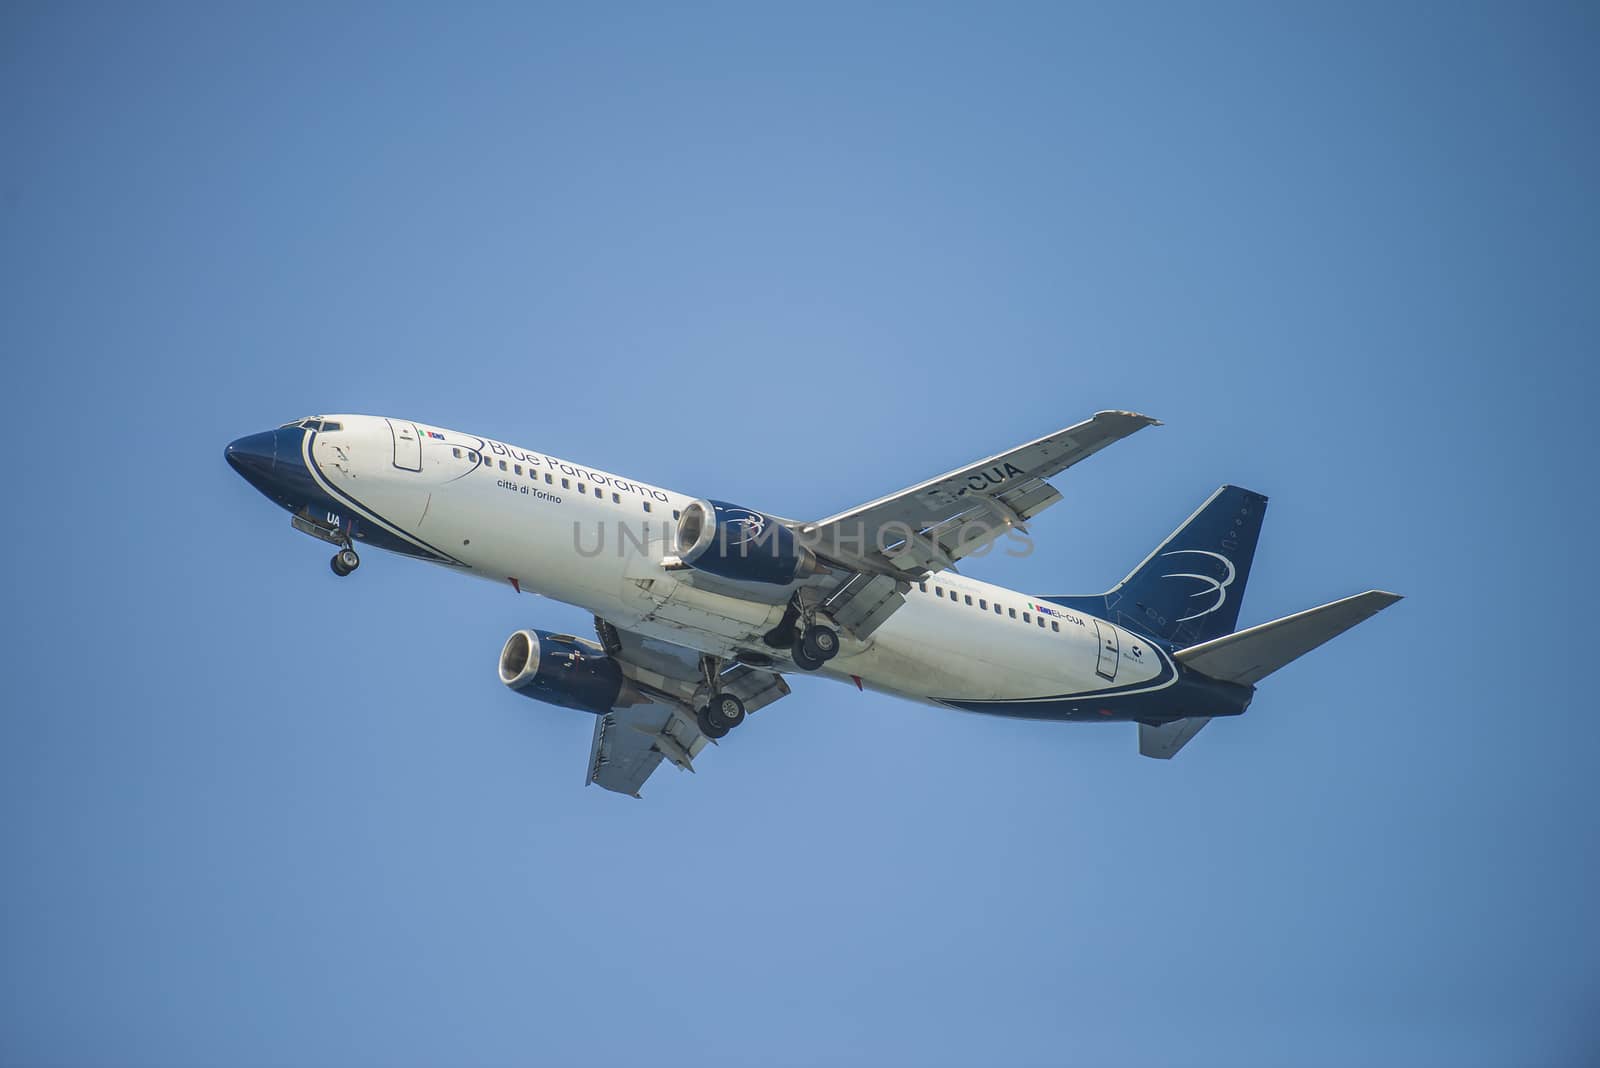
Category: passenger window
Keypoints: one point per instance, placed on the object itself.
(1041, 622)
(983, 605)
(923, 586)
(615, 499)
(1013, 612)
(565, 484)
(517, 468)
(646, 505)
(472, 456)
(548, 480)
(969, 598)
(582, 489)
(997, 608)
(456, 453)
(502, 465)
(600, 493)
(1025, 618)
(1055, 626)
(674, 513)
(938, 591)
(488, 461)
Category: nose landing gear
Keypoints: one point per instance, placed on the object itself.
(332, 531)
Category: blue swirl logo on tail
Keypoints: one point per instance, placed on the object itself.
(1213, 585)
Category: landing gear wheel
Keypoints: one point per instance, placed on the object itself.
(725, 711)
(803, 659)
(344, 561)
(707, 728)
(821, 643)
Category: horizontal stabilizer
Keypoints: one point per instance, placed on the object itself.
(1251, 655)
(1163, 741)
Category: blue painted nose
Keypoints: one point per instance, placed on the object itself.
(253, 456)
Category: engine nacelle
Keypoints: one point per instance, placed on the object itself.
(562, 670)
(741, 544)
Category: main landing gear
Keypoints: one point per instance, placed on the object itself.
(809, 642)
(815, 646)
(344, 561)
(724, 711)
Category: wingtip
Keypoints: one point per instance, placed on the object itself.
(1121, 413)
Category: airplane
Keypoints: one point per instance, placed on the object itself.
(702, 608)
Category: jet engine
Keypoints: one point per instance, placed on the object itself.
(741, 544)
(559, 669)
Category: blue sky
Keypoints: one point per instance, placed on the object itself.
(796, 258)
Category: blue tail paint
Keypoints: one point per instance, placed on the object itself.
(1189, 590)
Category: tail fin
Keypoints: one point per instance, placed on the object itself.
(1189, 589)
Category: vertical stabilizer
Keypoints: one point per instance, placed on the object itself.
(1190, 588)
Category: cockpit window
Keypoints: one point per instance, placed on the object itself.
(329, 427)
(314, 424)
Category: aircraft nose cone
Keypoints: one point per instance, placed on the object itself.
(253, 455)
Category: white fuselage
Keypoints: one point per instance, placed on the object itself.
(596, 540)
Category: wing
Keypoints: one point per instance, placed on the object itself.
(631, 742)
(895, 540)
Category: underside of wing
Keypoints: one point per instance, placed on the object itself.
(628, 747)
(631, 742)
